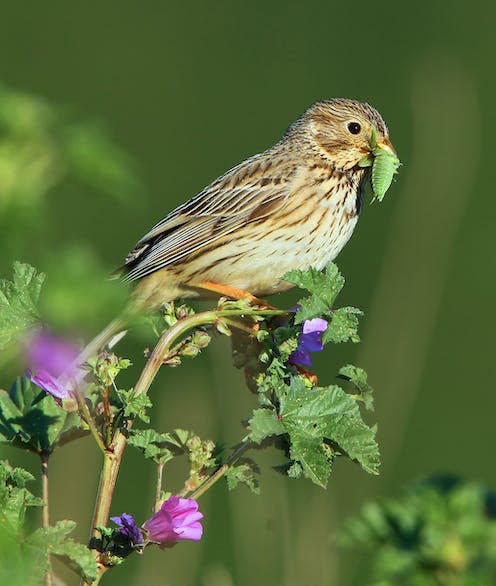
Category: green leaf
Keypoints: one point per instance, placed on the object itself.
(15, 498)
(324, 287)
(311, 416)
(244, 472)
(31, 419)
(54, 541)
(159, 447)
(309, 452)
(358, 377)
(264, 423)
(18, 299)
(135, 405)
(343, 326)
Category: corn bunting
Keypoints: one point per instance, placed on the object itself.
(292, 206)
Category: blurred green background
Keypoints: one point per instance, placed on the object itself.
(187, 90)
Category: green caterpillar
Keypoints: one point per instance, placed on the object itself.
(384, 165)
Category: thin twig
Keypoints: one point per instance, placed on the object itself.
(44, 457)
(113, 455)
(158, 490)
(219, 473)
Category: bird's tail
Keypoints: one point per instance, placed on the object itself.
(108, 337)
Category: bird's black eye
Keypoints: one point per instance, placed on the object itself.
(354, 127)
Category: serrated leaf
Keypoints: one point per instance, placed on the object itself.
(15, 498)
(309, 452)
(358, 377)
(310, 416)
(18, 299)
(324, 287)
(244, 472)
(343, 326)
(264, 423)
(31, 419)
(135, 405)
(54, 541)
(154, 445)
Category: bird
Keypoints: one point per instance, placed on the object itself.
(292, 206)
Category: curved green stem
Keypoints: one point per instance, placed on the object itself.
(158, 490)
(44, 457)
(113, 454)
(219, 473)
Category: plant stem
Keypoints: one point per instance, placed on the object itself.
(113, 455)
(219, 473)
(158, 491)
(87, 417)
(44, 457)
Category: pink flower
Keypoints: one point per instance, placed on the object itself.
(177, 520)
(52, 364)
(309, 341)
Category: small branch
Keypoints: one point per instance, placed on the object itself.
(219, 473)
(158, 490)
(113, 455)
(44, 457)
(87, 417)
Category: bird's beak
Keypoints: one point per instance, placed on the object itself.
(385, 145)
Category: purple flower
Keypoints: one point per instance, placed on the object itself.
(52, 364)
(129, 528)
(178, 519)
(309, 341)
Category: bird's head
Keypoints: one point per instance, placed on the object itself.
(345, 131)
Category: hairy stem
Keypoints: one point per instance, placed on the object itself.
(87, 418)
(158, 490)
(219, 473)
(113, 455)
(44, 456)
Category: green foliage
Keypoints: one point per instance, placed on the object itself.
(30, 419)
(159, 447)
(78, 294)
(244, 472)
(320, 423)
(48, 541)
(316, 423)
(162, 447)
(358, 377)
(439, 532)
(15, 498)
(343, 326)
(18, 302)
(135, 406)
(324, 288)
(311, 424)
(40, 146)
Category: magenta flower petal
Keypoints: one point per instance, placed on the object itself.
(52, 364)
(48, 383)
(176, 520)
(51, 353)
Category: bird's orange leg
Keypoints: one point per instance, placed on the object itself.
(232, 292)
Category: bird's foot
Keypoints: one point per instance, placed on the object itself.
(233, 293)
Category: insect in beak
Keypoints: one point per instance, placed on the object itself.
(384, 162)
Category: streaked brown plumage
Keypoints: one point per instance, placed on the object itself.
(293, 206)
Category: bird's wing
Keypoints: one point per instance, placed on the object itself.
(248, 192)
